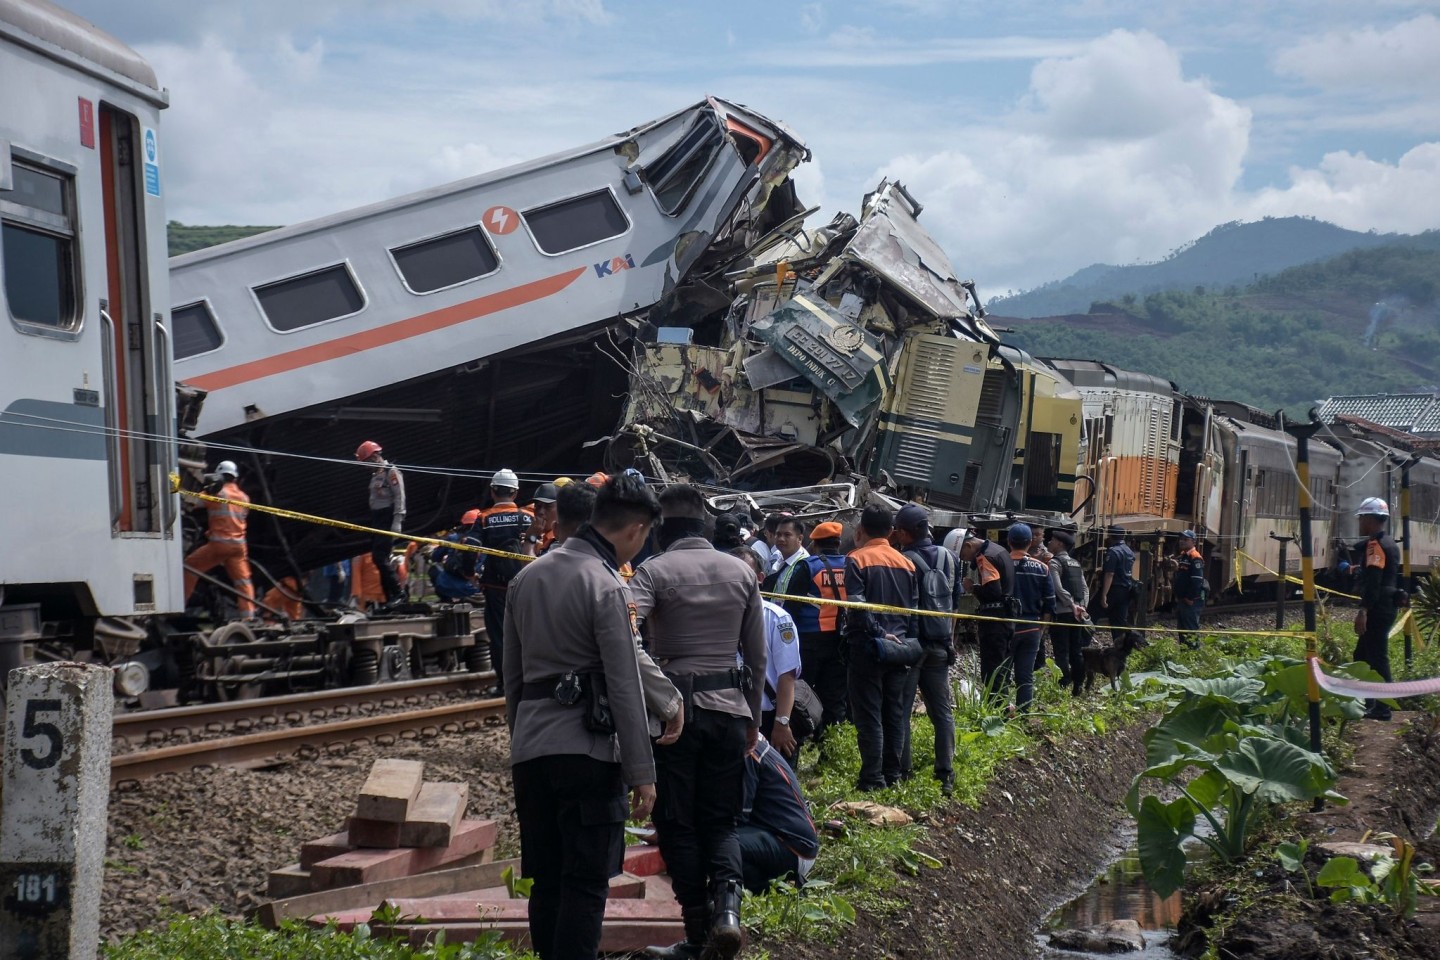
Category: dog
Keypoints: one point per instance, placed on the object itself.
(1108, 662)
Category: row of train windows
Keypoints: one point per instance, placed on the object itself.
(1276, 493)
(426, 266)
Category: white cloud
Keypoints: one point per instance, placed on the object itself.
(1400, 59)
(1356, 192)
(1113, 154)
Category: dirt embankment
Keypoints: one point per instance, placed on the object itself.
(1393, 784)
(1042, 833)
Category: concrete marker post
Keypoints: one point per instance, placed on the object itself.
(56, 763)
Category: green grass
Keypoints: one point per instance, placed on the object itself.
(212, 937)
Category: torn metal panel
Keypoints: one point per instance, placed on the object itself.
(892, 243)
(828, 350)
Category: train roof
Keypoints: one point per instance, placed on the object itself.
(59, 34)
(725, 107)
(1093, 373)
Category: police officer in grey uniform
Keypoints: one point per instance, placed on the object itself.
(700, 606)
(569, 627)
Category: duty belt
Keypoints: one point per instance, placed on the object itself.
(708, 682)
(539, 689)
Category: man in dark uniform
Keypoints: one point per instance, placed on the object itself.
(1379, 584)
(993, 584)
(1118, 570)
(502, 526)
(568, 623)
(700, 607)
(1190, 588)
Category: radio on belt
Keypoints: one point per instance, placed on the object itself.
(52, 824)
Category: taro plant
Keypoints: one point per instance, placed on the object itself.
(1226, 752)
(1394, 881)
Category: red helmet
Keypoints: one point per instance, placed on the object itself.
(469, 517)
(367, 450)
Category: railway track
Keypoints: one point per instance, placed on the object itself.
(428, 716)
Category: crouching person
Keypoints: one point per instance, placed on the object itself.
(777, 837)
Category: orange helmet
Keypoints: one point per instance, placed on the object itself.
(367, 450)
(597, 479)
(469, 517)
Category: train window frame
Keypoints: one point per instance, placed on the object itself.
(706, 125)
(478, 228)
(525, 219)
(64, 227)
(349, 269)
(209, 308)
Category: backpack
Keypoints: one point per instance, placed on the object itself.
(937, 584)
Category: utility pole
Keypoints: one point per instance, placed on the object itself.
(1281, 583)
(1302, 432)
(1407, 580)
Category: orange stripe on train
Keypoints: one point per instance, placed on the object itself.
(387, 334)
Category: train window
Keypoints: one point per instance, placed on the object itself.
(579, 222)
(310, 298)
(37, 241)
(445, 261)
(674, 176)
(195, 330)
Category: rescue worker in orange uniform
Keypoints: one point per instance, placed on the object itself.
(287, 596)
(1190, 588)
(542, 534)
(225, 543)
(502, 526)
(993, 584)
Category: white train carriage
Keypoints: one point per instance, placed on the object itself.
(1262, 498)
(321, 311)
(1375, 460)
(86, 398)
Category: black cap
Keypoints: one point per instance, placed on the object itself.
(1115, 531)
(1065, 538)
(546, 493)
(912, 518)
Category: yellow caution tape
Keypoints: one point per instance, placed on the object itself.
(1288, 577)
(357, 528)
(813, 601)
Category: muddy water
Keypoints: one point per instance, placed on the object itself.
(1120, 893)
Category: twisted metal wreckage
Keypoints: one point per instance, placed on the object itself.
(827, 367)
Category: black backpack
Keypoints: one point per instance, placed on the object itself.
(937, 586)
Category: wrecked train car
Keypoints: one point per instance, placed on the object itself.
(852, 349)
(459, 326)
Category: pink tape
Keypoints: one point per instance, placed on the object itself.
(1345, 687)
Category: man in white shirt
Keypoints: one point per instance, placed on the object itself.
(782, 669)
(788, 544)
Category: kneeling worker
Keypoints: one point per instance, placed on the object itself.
(777, 837)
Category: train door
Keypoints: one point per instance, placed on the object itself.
(136, 351)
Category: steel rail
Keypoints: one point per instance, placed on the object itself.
(214, 717)
(286, 742)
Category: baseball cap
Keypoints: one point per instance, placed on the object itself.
(912, 518)
(546, 493)
(829, 530)
(1019, 533)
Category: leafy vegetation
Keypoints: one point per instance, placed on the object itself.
(1284, 341)
(184, 239)
(212, 937)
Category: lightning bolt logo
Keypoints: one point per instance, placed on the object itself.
(501, 220)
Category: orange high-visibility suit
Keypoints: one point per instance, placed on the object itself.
(285, 600)
(225, 547)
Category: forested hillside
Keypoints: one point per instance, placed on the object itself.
(184, 239)
(1364, 322)
(1231, 254)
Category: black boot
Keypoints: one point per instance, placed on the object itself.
(697, 928)
(725, 933)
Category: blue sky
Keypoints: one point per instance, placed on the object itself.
(1042, 136)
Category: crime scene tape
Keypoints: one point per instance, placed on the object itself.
(1288, 578)
(1368, 689)
(812, 601)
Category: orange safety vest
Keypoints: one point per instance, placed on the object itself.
(227, 520)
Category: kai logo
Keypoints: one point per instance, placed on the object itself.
(608, 268)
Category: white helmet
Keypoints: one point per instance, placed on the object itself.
(505, 480)
(227, 468)
(1373, 507)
